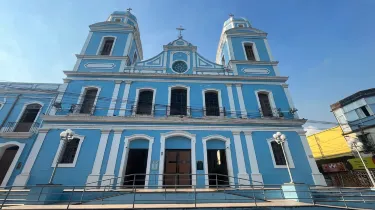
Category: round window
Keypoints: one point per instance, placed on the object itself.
(179, 67)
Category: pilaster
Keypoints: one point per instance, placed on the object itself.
(231, 100)
(241, 101)
(242, 174)
(125, 98)
(256, 177)
(114, 98)
(111, 164)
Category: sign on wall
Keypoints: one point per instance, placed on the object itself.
(358, 165)
(334, 167)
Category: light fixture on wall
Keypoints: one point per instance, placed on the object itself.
(280, 139)
(65, 137)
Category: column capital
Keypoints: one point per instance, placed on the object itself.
(105, 131)
(301, 133)
(67, 80)
(118, 81)
(43, 130)
(284, 85)
(236, 132)
(128, 82)
(248, 132)
(118, 131)
(238, 85)
(229, 85)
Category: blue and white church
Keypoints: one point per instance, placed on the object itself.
(176, 119)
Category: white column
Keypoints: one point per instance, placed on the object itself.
(241, 101)
(111, 164)
(128, 44)
(59, 97)
(114, 98)
(290, 101)
(242, 174)
(93, 178)
(23, 177)
(193, 162)
(317, 176)
(256, 177)
(125, 98)
(231, 100)
(161, 160)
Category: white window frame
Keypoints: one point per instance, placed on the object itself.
(218, 91)
(24, 108)
(138, 91)
(255, 50)
(3, 147)
(125, 153)
(270, 98)
(170, 88)
(287, 152)
(68, 165)
(83, 94)
(2, 103)
(101, 45)
(228, 155)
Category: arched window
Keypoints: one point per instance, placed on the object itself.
(144, 104)
(70, 151)
(278, 153)
(88, 102)
(212, 103)
(28, 117)
(178, 104)
(249, 51)
(6, 159)
(107, 46)
(265, 104)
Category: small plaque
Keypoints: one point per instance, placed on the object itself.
(155, 165)
(200, 165)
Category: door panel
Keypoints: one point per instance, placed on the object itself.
(177, 164)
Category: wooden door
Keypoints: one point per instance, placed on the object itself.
(177, 168)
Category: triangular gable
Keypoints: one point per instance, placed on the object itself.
(156, 61)
(204, 63)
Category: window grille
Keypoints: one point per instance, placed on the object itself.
(278, 153)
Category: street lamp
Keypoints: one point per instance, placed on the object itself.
(280, 139)
(65, 137)
(357, 144)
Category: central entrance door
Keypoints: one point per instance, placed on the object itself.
(177, 168)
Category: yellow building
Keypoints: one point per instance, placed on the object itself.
(329, 144)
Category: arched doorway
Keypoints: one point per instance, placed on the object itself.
(9, 155)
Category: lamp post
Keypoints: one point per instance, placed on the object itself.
(280, 139)
(355, 144)
(65, 136)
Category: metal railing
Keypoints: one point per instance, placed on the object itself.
(185, 195)
(20, 127)
(81, 109)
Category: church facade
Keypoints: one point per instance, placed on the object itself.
(174, 119)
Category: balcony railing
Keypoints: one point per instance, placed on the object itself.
(20, 127)
(81, 109)
(271, 113)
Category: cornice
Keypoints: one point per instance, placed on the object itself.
(261, 63)
(105, 57)
(173, 120)
(177, 76)
(180, 48)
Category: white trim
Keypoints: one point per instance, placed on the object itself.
(170, 134)
(114, 98)
(83, 94)
(231, 100)
(94, 176)
(124, 157)
(101, 45)
(59, 150)
(241, 101)
(287, 152)
(135, 53)
(77, 64)
(5, 146)
(139, 90)
(270, 98)
(88, 39)
(24, 108)
(268, 49)
(165, 57)
(109, 175)
(230, 46)
(127, 45)
(228, 155)
(255, 175)
(290, 101)
(317, 176)
(125, 98)
(61, 90)
(219, 98)
(2, 103)
(255, 50)
(276, 69)
(23, 177)
(240, 160)
(170, 88)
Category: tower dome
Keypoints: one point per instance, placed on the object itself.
(236, 22)
(123, 16)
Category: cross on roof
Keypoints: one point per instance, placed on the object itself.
(180, 29)
(129, 9)
(231, 15)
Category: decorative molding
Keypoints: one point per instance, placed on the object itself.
(272, 63)
(59, 150)
(16, 135)
(255, 71)
(100, 65)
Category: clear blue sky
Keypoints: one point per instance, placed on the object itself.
(325, 47)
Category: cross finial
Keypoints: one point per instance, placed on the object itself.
(180, 29)
(129, 9)
(231, 15)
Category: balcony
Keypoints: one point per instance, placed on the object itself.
(19, 129)
(356, 125)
